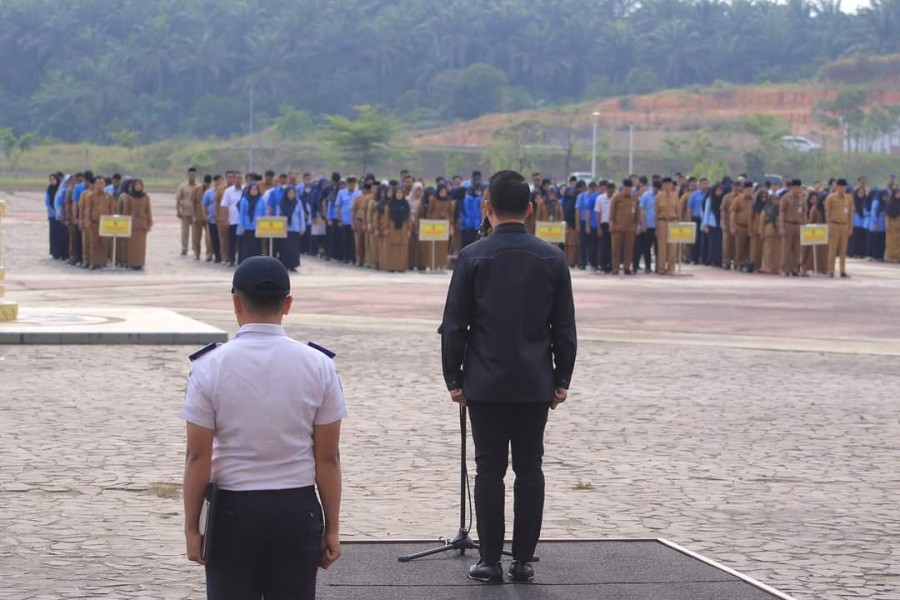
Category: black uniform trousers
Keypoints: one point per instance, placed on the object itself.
(232, 243)
(645, 246)
(213, 231)
(266, 545)
(605, 248)
(348, 244)
(495, 428)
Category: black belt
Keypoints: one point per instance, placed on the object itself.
(794, 223)
(836, 223)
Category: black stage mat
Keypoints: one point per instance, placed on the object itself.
(577, 570)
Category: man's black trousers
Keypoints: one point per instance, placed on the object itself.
(266, 545)
(497, 427)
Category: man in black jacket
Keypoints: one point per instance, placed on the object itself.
(508, 350)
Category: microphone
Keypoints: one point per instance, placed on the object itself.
(484, 229)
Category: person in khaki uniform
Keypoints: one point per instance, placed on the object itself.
(84, 220)
(184, 207)
(793, 218)
(549, 208)
(358, 214)
(102, 203)
(198, 220)
(839, 215)
(137, 205)
(727, 235)
(624, 221)
(222, 214)
(666, 213)
(756, 228)
(373, 241)
(684, 211)
(740, 221)
(441, 208)
(770, 224)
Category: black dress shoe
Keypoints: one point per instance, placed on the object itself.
(845, 275)
(486, 572)
(521, 571)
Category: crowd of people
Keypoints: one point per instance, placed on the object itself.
(753, 228)
(75, 205)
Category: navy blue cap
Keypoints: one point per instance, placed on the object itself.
(262, 277)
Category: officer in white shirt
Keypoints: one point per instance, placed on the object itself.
(263, 419)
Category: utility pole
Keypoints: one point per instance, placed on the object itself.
(596, 115)
(630, 148)
(250, 138)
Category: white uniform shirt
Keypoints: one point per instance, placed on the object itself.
(262, 393)
(232, 199)
(602, 207)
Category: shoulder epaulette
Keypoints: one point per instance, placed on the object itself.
(204, 350)
(321, 349)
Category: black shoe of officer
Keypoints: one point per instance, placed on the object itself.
(520, 571)
(845, 276)
(486, 572)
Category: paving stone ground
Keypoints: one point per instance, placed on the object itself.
(766, 439)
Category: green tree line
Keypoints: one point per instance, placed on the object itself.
(141, 70)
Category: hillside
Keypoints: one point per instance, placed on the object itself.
(667, 112)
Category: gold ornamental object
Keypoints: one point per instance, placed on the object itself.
(9, 311)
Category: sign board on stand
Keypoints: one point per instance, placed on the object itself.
(553, 232)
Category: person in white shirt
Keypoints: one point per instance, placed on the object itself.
(601, 207)
(231, 200)
(263, 417)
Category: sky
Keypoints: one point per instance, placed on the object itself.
(850, 6)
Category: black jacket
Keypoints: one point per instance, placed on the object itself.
(509, 323)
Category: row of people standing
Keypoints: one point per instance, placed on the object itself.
(75, 204)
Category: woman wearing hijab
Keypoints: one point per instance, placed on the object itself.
(137, 206)
(250, 207)
(50, 207)
(771, 235)
(892, 228)
(416, 202)
(876, 231)
(815, 206)
(857, 245)
(396, 232)
(382, 221)
(440, 208)
(712, 226)
(289, 248)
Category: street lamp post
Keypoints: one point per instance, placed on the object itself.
(630, 148)
(596, 115)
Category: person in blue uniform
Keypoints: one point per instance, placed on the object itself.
(263, 415)
(470, 215)
(59, 203)
(251, 206)
(696, 204)
(50, 207)
(876, 237)
(587, 221)
(288, 249)
(209, 207)
(344, 210)
(712, 226)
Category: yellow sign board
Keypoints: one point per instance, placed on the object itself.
(271, 227)
(683, 233)
(115, 226)
(814, 235)
(434, 230)
(553, 232)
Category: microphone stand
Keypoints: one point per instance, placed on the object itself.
(462, 541)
